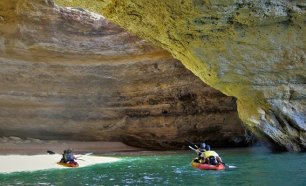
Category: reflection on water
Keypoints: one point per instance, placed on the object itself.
(256, 166)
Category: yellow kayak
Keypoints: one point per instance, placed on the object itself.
(75, 164)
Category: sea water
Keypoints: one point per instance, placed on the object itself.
(255, 166)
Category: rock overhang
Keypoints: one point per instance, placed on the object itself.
(253, 50)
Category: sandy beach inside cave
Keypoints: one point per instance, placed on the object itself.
(18, 155)
(19, 163)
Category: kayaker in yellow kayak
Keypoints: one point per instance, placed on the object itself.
(68, 157)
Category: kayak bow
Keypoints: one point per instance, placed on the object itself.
(68, 164)
(205, 166)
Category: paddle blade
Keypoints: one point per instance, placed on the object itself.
(87, 154)
(50, 152)
(232, 167)
(192, 148)
(191, 144)
(229, 166)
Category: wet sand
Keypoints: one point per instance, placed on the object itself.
(14, 145)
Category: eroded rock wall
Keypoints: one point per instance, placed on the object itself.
(252, 50)
(70, 74)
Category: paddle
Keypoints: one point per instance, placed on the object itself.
(87, 154)
(192, 148)
(52, 152)
(192, 144)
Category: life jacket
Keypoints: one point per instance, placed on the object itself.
(70, 157)
(209, 153)
(200, 152)
(211, 157)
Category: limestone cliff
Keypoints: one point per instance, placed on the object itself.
(70, 74)
(252, 50)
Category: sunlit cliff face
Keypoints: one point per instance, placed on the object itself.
(70, 74)
(252, 50)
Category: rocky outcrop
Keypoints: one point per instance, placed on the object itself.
(69, 74)
(252, 50)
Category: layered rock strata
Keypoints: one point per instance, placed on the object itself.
(69, 74)
(252, 50)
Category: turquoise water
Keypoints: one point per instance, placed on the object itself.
(256, 166)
